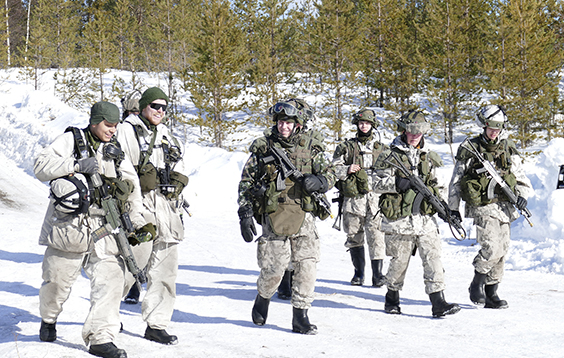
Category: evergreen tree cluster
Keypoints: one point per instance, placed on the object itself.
(234, 55)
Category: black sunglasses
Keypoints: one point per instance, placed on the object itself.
(157, 106)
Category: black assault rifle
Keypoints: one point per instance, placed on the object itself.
(289, 170)
(340, 199)
(117, 225)
(424, 193)
(496, 179)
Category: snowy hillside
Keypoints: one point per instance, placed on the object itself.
(218, 270)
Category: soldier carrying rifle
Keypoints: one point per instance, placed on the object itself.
(409, 224)
(493, 199)
(77, 212)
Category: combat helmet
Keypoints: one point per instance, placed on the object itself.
(130, 102)
(294, 108)
(70, 194)
(413, 122)
(492, 116)
(366, 115)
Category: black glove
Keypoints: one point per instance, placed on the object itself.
(521, 203)
(247, 224)
(456, 215)
(314, 183)
(402, 184)
(86, 165)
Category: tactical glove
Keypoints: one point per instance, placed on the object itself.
(402, 184)
(86, 165)
(144, 234)
(456, 215)
(314, 183)
(521, 203)
(248, 230)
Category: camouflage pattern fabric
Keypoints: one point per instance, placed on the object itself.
(366, 223)
(492, 220)
(400, 248)
(404, 234)
(302, 250)
(360, 214)
(493, 237)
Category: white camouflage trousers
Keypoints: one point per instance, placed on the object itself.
(161, 259)
(357, 227)
(400, 248)
(274, 253)
(60, 271)
(493, 237)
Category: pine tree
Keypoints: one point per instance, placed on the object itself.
(333, 47)
(218, 68)
(271, 40)
(448, 57)
(522, 65)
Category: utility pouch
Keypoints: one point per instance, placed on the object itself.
(390, 205)
(179, 181)
(148, 177)
(119, 189)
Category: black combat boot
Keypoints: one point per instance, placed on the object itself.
(357, 256)
(442, 307)
(285, 287)
(476, 288)
(492, 299)
(107, 350)
(300, 322)
(48, 331)
(132, 297)
(392, 304)
(160, 336)
(260, 310)
(378, 280)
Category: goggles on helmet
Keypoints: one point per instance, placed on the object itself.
(290, 110)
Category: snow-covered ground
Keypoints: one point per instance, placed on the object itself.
(218, 270)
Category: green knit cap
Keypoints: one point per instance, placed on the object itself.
(101, 111)
(150, 95)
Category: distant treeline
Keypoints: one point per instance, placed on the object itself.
(351, 54)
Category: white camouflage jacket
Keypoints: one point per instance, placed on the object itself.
(163, 213)
(72, 233)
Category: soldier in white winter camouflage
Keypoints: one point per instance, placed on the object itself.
(354, 161)
(410, 228)
(286, 209)
(491, 210)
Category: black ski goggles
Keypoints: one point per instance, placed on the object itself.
(290, 110)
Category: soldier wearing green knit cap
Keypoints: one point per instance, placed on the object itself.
(73, 214)
(157, 156)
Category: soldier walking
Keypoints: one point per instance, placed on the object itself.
(68, 229)
(407, 229)
(284, 207)
(491, 210)
(157, 157)
(354, 161)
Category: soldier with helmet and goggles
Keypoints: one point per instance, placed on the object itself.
(283, 205)
(491, 210)
(354, 161)
(409, 225)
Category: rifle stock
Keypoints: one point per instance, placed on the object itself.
(115, 227)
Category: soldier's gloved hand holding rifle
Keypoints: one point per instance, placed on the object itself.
(314, 183)
(247, 224)
(414, 182)
(145, 234)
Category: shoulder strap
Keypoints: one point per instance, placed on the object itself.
(145, 155)
(80, 148)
